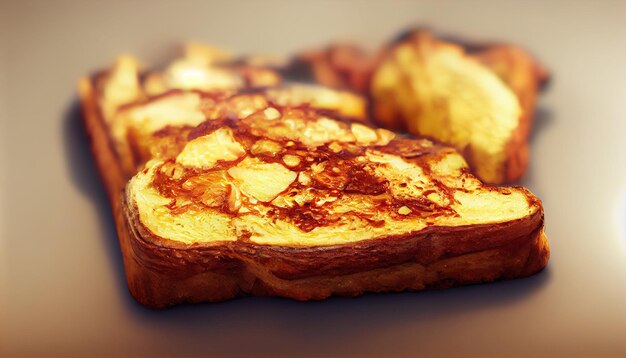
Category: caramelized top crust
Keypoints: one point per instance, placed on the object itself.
(231, 157)
(298, 177)
(159, 127)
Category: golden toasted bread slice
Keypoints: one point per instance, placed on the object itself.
(149, 118)
(306, 206)
(478, 98)
(435, 88)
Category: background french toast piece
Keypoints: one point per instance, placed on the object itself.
(157, 127)
(420, 82)
(149, 113)
(434, 89)
(199, 67)
(306, 206)
(339, 65)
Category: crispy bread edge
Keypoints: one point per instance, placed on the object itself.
(210, 273)
(161, 274)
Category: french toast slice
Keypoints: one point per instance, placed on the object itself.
(434, 88)
(478, 98)
(305, 206)
(279, 193)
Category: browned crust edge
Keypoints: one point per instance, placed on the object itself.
(162, 273)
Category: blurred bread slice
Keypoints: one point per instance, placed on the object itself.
(479, 98)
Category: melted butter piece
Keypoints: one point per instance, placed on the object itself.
(206, 151)
(188, 74)
(363, 134)
(261, 181)
(267, 147)
(324, 131)
(291, 160)
(407, 180)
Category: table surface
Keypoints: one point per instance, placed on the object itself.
(63, 291)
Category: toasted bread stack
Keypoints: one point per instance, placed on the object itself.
(225, 181)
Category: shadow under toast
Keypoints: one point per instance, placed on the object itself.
(85, 177)
(320, 326)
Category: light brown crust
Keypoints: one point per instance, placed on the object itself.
(161, 273)
(108, 163)
(185, 280)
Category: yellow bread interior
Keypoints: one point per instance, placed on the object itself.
(305, 179)
(443, 93)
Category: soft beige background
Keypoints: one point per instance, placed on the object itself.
(63, 292)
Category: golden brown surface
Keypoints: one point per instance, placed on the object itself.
(433, 88)
(277, 199)
(301, 178)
